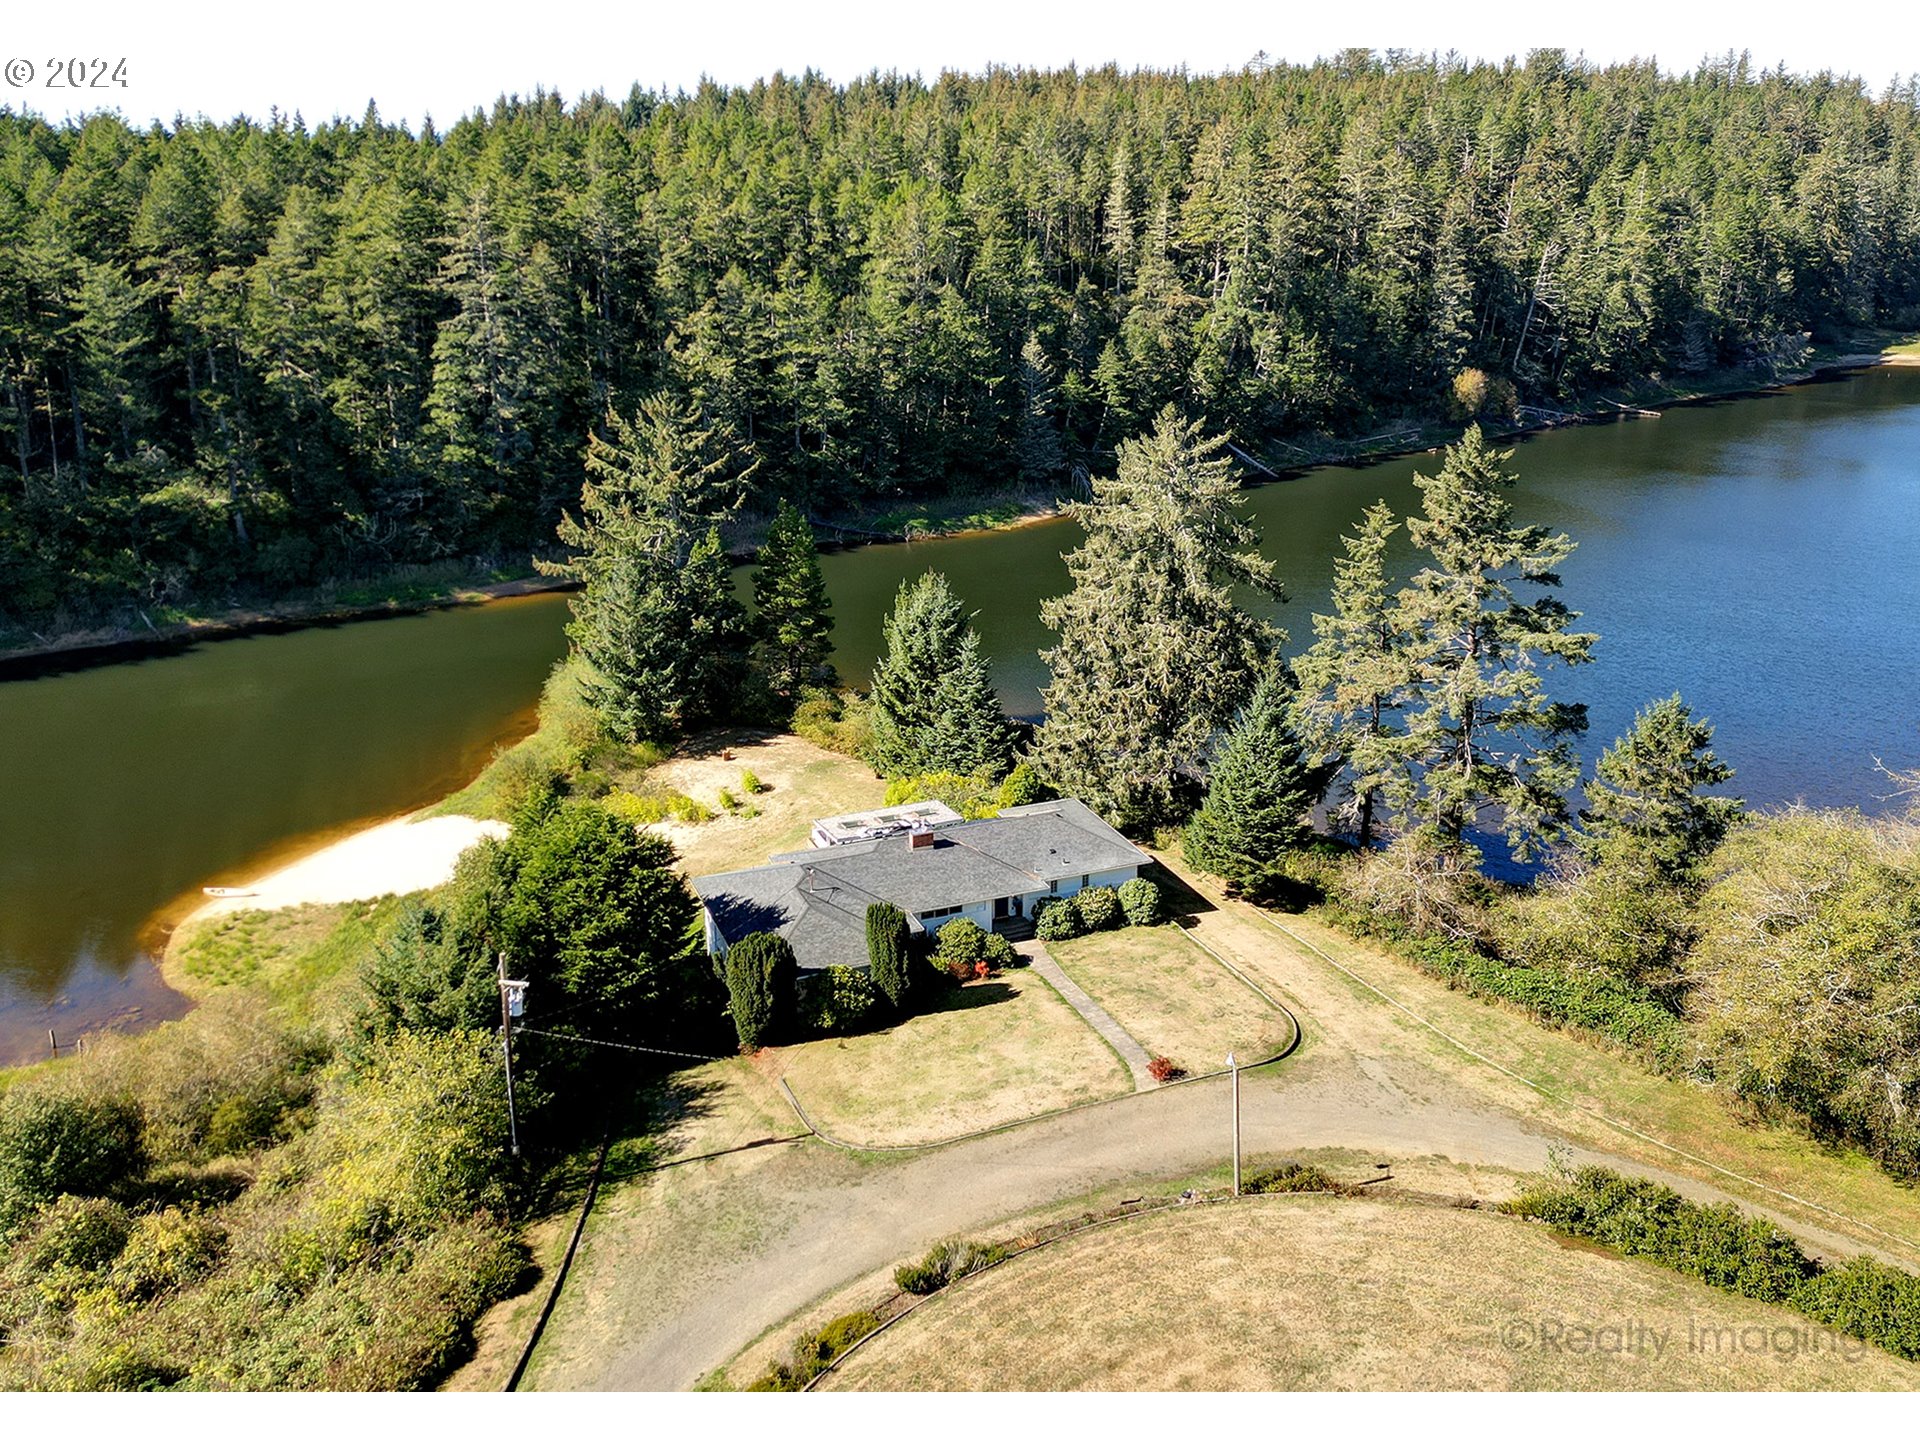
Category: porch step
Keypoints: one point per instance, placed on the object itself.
(1015, 928)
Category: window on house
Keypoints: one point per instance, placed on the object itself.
(941, 913)
(1085, 880)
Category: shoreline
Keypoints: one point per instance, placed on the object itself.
(86, 650)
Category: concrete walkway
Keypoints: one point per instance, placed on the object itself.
(1129, 1049)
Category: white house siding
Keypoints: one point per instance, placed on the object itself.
(981, 915)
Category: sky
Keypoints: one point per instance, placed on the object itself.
(222, 57)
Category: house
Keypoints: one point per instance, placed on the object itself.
(992, 871)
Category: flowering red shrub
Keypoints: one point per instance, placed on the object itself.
(1163, 1069)
(980, 970)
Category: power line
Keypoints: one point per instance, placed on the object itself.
(617, 1045)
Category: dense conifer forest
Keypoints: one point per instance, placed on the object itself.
(244, 357)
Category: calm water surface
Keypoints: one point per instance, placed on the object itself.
(1762, 556)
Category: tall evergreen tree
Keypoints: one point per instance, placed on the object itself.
(1354, 678)
(933, 705)
(1480, 728)
(654, 620)
(1039, 451)
(790, 602)
(1155, 653)
(1260, 791)
(1644, 809)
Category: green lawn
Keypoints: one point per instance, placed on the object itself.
(990, 1052)
(299, 958)
(1173, 997)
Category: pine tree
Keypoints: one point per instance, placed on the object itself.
(655, 620)
(1154, 654)
(790, 598)
(1353, 679)
(933, 705)
(1261, 791)
(1645, 812)
(1480, 728)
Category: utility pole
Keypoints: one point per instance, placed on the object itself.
(1234, 1066)
(513, 1004)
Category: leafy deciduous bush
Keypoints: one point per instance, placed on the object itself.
(1099, 907)
(1163, 1069)
(1057, 918)
(1140, 900)
(838, 1001)
(817, 1349)
(960, 943)
(54, 1144)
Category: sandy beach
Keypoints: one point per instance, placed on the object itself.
(394, 858)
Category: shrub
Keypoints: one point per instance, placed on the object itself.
(728, 801)
(1163, 1069)
(838, 1001)
(53, 1144)
(84, 1233)
(1140, 901)
(834, 720)
(1057, 918)
(816, 1350)
(752, 783)
(688, 810)
(946, 1263)
(889, 951)
(960, 942)
(972, 797)
(1000, 953)
(760, 973)
(1023, 787)
(1289, 1179)
(167, 1250)
(1099, 907)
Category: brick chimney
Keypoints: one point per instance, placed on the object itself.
(919, 837)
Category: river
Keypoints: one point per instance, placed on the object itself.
(1761, 555)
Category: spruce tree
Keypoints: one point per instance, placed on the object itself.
(933, 705)
(791, 604)
(654, 619)
(1040, 454)
(1261, 791)
(1353, 679)
(1155, 653)
(1480, 728)
(1645, 813)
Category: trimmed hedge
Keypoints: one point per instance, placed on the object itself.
(889, 950)
(1730, 1251)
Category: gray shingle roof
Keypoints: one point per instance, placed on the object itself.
(818, 898)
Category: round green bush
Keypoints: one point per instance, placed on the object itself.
(1057, 919)
(839, 1001)
(1099, 907)
(1140, 899)
(959, 943)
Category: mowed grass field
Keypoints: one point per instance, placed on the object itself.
(1323, 1293)
(1173, 997)
(986, 1053)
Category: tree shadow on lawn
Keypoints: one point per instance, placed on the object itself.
(1178, 900)
(714, 744)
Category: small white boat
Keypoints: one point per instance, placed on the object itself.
(226, 892)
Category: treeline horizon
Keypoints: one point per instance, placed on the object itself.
(243, 358)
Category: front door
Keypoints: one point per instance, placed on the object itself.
(1007, 908)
